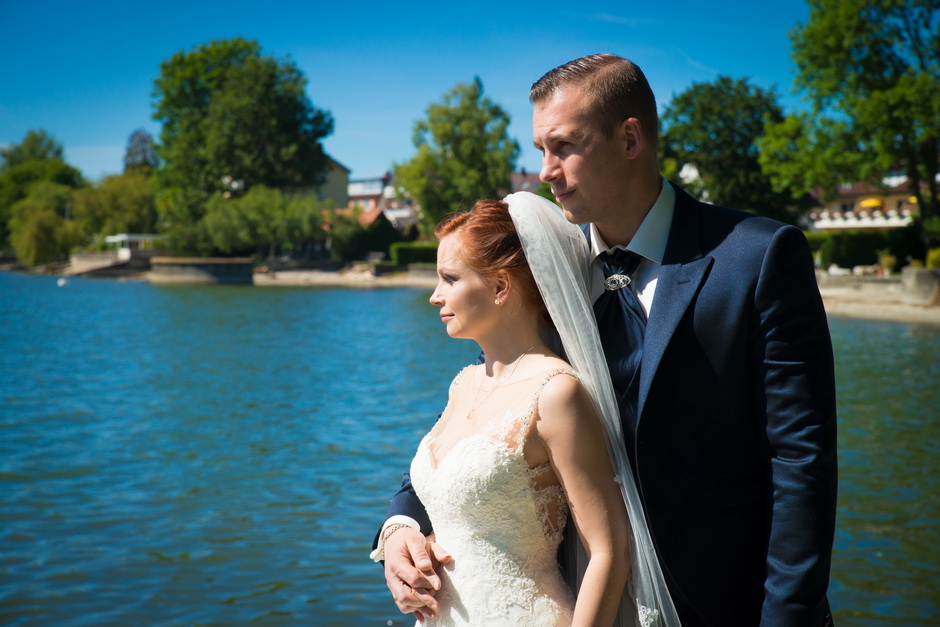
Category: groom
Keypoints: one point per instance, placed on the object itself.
(732, 431)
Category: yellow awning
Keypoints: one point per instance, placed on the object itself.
(868, 203)
(912, 200)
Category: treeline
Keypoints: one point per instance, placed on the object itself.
(47, 210)
(239, 161)
(236, 171)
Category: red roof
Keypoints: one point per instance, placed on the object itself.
(366, 217)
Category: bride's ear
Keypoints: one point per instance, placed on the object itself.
(502, 283)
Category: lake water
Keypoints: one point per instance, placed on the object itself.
(224, 455)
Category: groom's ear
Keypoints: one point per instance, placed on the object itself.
(631, 134)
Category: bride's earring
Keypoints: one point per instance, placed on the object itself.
(498, 301)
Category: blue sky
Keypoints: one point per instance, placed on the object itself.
(84, 72)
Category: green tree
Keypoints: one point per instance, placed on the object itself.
(37, 145)
(715, 127)
(141, 155)
(871, 69)
(15, 183)
(253, 221)
(232, 119)
(37, 158)
(263, 221)
(40, 230)
(545, 191)
(464, 153)
(121, 203)
(304, 224)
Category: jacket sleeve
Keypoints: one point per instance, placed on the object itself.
(405, 503)
(795, 399)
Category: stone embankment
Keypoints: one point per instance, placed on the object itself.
(909, 298)
(914, 297)
(847, 296)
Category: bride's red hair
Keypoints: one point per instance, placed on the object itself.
(490, 244)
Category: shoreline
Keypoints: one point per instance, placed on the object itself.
(341, 278)
(883, 302)
(870, 302)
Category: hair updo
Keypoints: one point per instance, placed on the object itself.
(490, 244)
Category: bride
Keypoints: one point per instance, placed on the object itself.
(518, 447)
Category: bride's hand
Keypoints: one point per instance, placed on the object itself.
(410, 559)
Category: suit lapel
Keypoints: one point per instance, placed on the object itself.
(683, 270)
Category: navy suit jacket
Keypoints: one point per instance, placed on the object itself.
(735, 443)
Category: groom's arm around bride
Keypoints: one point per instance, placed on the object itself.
(734, 435)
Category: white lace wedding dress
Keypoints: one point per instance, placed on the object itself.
(490, 512)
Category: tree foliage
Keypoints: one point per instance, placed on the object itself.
(232, 119)
(141, 155)
(871, 69)
(263, 221)
(464, 153)
(16, 182)
(715, 127)
(118, 204)
(38, 158)
(545, 191)
(37, 145)
(40, 230)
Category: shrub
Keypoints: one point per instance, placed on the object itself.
(816, 239)
(886, 260)
(932, 229)
(933, 258)
(404, 253)
(863, 248)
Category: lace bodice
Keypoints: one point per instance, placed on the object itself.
(498, 518)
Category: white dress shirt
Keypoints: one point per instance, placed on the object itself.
(649, 242)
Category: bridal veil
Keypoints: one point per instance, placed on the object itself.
(558, 255)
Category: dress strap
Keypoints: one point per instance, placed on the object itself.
(538, 392)
(525, 419)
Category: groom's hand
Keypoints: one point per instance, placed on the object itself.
(410, 559)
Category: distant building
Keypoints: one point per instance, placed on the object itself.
(335, 188)
(523, 181)
(381, 194)
(855, 205)
(401, 211)
(366, 218)
(370, 193)
(125, 254)
(865, 206)
(127, 244)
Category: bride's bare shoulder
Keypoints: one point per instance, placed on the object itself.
(564, 396)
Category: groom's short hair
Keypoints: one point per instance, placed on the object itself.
(616, 87)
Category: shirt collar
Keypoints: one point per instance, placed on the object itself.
(650, 239)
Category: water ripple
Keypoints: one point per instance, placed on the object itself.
(193, 456)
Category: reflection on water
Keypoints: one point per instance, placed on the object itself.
(224, 456)
(887, 562)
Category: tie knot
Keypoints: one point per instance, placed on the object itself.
(620, 261)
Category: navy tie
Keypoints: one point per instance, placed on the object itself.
(621, 322)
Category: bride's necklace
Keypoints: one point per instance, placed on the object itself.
(502, 379)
